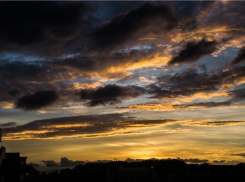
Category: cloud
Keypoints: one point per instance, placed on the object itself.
(122, 27)
(195, 160)
(175, 107)
(216, 123)
(190, 82)
(99, 126)
(85, 126)
(193, 51)
(184, 83)
(219, 161)
(204, 105)
(79, 85)
(34, 164)
(235, 98)
(6, 104)
(50, 163)
(240, 58)
(240, 155)
(20, 78)
(121, 47)
(151, 107)
(115, 64)
(31, 23)
(110, 94)
(133, 160)
(14, 92)
(37, 100)
(129, 77)
(7, 125)
(64, 162)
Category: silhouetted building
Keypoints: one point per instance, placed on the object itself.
(13, 168)
(2, 157)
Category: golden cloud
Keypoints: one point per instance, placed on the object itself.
(6, 105)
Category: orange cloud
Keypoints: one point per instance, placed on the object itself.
(84, 85)
(209, 122)
(6, 105)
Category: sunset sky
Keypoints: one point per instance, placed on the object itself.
(104, 80)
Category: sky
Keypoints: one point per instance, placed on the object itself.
(115, 80)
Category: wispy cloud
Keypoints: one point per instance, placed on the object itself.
(100, 126)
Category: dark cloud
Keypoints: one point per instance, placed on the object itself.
(190, 81)
(39, 124)
(133, 160)
(109, 94)
(211, 16)
(14, 92)
(240, 58)
(204, 104)
(100, 64)
(7, 125)
(206, 5)
(195, 160)
(37, 100)
(34, 164)
(86, 125)
(56, 22)
(184, 83)
(132, 77)
(217, 123)
(22, 69)
(40, 76)
(221, 161)
(193, 51)
(236, 97)
(93, 126)
(240, 155)
(20, 78)
(50, 163)
(122, 27)
(29, 23)
(64, 162)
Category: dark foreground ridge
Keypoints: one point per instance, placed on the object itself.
(171, 170)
